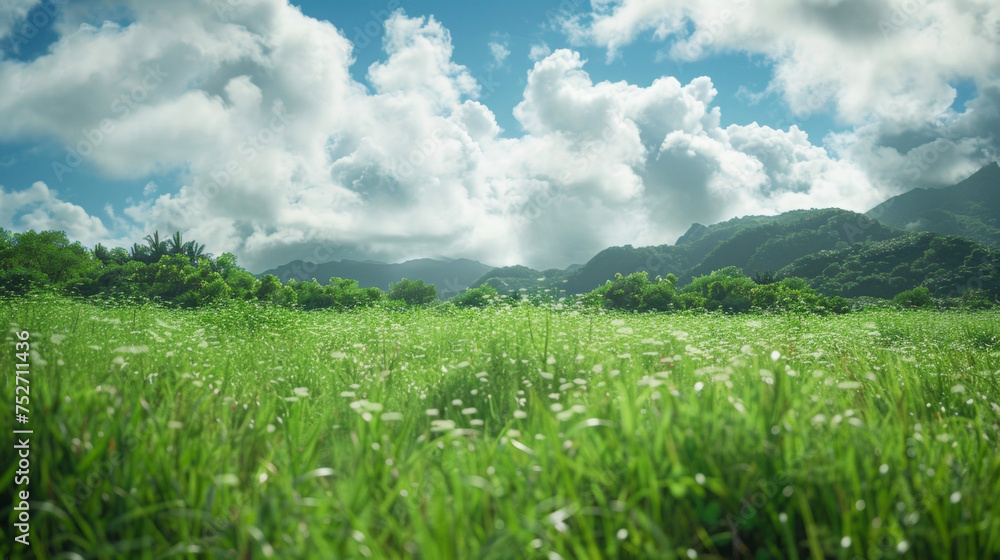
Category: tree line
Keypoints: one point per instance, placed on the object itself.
(172, 270)
(179, 272)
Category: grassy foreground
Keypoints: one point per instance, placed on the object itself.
(522, 432)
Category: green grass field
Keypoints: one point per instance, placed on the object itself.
(517, 432)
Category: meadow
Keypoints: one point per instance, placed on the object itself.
(513, 431)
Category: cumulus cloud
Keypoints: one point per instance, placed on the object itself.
(862, 57)
(40, 208)
(886, 68)
(281, 154)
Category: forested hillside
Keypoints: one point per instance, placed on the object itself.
(969, 209)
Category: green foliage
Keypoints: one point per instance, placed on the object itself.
(917, 297)
(270, 290)
(339, 293)
(18, 280)
(51, 255)
(766, 278)
(976, 300)
(476, 297)
(776, 244)
(413, 292)
(627, 292)
(726, 290)
(947, 266)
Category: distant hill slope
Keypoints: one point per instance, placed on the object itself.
(449, 277)
(518, 278)
(970, 209)
(946, 265)
(774, 245)
(752, 243)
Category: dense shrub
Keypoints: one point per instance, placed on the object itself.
(727, 290)
(476, 297)
(413, 292)
(917, 297)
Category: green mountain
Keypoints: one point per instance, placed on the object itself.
(449, 277)
(753, 243)
(970, 209)
(789, 236)
(946, 265)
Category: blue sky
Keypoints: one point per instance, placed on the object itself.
(524, 132)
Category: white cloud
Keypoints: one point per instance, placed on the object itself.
(40, 209)
(895, 60)
(539, 51)
(283, 155)
(499, 51)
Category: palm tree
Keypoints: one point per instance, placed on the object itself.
(176, 244)
(101, 253)
(157, 248)
(139, 253)
(194, 250)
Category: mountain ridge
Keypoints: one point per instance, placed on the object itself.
(754, 243)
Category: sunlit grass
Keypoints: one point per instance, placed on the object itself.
(509, 432)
